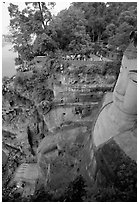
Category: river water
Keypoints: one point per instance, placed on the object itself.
(8, 63)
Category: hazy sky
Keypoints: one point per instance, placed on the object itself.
(60, 5)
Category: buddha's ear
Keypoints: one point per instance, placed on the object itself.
(132, 33)
(133, 37)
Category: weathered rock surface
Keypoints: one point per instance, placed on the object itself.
(55, 161)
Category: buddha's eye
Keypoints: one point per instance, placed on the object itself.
(133, 71)
(123, 67)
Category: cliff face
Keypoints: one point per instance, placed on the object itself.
(47, 122)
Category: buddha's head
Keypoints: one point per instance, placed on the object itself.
(125, 91)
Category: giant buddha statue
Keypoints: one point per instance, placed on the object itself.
(113, 146)
(118, 117)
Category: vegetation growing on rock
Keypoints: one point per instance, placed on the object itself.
(54, 106)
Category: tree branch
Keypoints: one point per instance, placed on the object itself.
(44, 27)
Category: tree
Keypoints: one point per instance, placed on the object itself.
(44, 44)
(70, 31)
(24, 25)
(129, 17)
(105, 19)
(81, 42)
(127, 22)
(111, 29)
(121, 39)
(94, 14)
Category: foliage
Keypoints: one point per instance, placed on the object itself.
(81, 29)
(28, 24)
(94, 14)
(111, 68)
(21, 80)
(126, 22)
(43, 44)
(71, 35)
(111, 22)
(121, 38)
(81, 42)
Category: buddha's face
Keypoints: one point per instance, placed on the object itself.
(127, 71)
(125, 92)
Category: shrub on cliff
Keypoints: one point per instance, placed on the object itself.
(42, 93)
(111, 68)
(21, 80)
